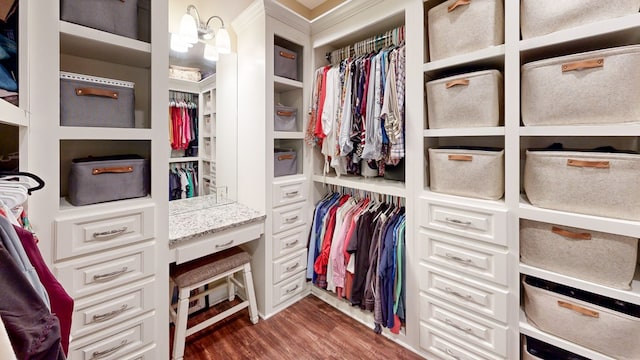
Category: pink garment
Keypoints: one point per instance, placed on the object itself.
(339, 261)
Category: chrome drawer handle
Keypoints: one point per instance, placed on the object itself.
(110, 315)
(109, 233)
(292, 267)
(291, 219)
(101, 354)
(289, 291)
(458, 259)
(111, 275)
(227, 244)
(452, 324)
(452, 354)
(457, 294)
(292, 193)
(457, 222)
(291, 244)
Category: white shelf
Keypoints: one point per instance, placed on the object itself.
(377, 185)
(589, 222)
(493, 56)
(183, 159)
(475, 131)
(534, 332)
(582, 130)
(281, 84)
(296, 135)
(95, 44)
(101, 133)
(631, 296)
(206, 177)
(206, 158)
(67, 207)
(184, 86)
(12, 115)
(496, 205)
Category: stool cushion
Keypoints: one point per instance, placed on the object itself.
(207, 267)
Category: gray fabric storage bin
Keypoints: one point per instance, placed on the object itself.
(285, 118)
(285, 63)
(107, 178)
(144, 20)
(116, 17)
(285, 162)
(94, 101)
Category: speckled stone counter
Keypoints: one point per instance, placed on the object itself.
(204, 215)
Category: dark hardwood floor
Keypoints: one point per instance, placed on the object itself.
(310, 329)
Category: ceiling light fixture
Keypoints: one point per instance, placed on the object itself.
(193, 30)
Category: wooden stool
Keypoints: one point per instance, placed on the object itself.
(197, 273)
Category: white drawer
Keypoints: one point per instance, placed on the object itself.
(287, 267)
(98, 312)
(289, 288)
(148, 353)
(447, 347)
(465, 292)
(289, 217)
(289, 242)
(117, 342)
(469, 328)
(289, 191)
(95, 273)
(464, 255)
(463, 220)
(88, 234)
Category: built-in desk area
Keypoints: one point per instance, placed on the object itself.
(204, 225)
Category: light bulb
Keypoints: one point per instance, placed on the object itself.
(178, 45)
(189, 29)
(223, 42)
(210, 53)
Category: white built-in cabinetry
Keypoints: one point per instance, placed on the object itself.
(110, 257)
(279, 258)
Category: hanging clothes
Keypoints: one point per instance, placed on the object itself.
(183, 121)
(183, 181)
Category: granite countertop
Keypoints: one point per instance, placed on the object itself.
(205, 215)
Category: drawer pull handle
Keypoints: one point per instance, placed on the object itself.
(457, 222)
(110, 315)
(291, 244)
(292, 194)
(291, 219)
(109, 233)
(457, 294)
(452, 354)
(570, 234)
(289, 291)
(111, 275)
(227, 244)
(292, 267)
(452, 324)
(101, 354)
(458, 259)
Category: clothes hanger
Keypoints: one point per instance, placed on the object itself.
(13, 195)
(23, 177)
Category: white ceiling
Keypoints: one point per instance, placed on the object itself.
(311, 4)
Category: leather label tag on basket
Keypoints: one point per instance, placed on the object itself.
(458, 82)
(458, 3)
(454, 157)
(589, 164)
(584, 64)
(287, 55)
(285, 157)
(579, 309)
(570, 234)
(112, 170)
(97, 92)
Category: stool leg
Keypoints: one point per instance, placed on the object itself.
(231, 287)
(180, 333)
(251, 295)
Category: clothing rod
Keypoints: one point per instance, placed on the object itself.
(398, 32)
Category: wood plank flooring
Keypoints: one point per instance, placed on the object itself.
(307, 330)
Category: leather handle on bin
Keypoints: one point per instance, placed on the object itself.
(570, 234)
(112, 170)
(97, 92)
(584, 64)
(287, 55)
(461, 82)
(285, 113)
(285, 157)
(590, 164)
(458, 3)
(461, 157)
(579, 309)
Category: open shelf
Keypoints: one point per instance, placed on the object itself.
(101, 133)
(281, 84)
(582, 130)
(86, 42)
(12, 115)
(476, 131)
(488, 57)
(288, 135)
(67, 207)
(183, 159)
(377, 185)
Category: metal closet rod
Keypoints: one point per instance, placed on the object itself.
(396, 37)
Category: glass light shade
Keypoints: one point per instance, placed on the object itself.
(223, 42)
(178, 45)
(189, 29)
(210, 53)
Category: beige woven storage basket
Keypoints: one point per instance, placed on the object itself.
(463, 172)
(467, 100)
(602, 258)
(541, 17)
(598, 327)
(462, 26)
(596, 87)
(594, 183)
